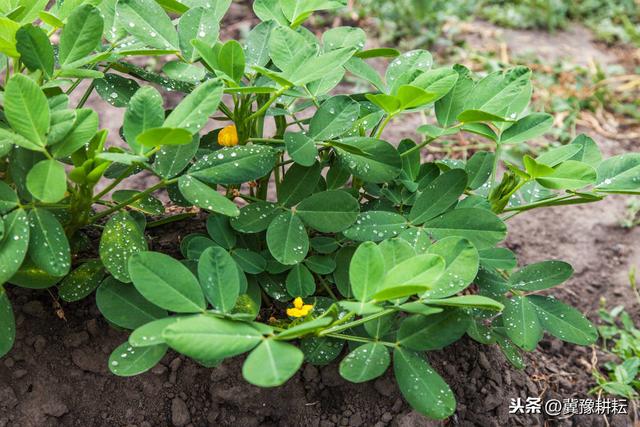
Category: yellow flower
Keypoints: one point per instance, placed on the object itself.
(228, 136)
(300, 309)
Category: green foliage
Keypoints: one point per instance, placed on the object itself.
(339, 234)
(621, 338)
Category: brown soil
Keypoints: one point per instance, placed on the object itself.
(57, 373)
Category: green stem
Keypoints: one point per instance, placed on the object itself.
(362, 320)
(169, 220)
(132, 199)
(267, 140)
(267, 104)
(384, 125)
(115, 182)
(361, 339)
(417, 147)
(496, 163)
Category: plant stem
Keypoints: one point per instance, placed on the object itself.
(417, 147)
(340, 328)
(267, 104)
(384, 125)
(360, 339)
(170, 219)
(132, 199)
(115, 182)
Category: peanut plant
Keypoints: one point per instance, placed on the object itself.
(322, 238)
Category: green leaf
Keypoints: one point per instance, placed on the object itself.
(150, 333)
(619, 174)
(220, 231)
(329, 211)
(194, 110)
(448, 107)
(115, 89)
(365, 363)
(438, 196)
(235, 165)
(35, 49)
(421, 386)
(481, 227)
(474, 116)
(498, 91)
(296, 11)
(81, 34)
(301, 148)
(320, 350)
(369, 159)
(317, 67)
(231, 60)
(462, 261)
(84, 128)
(366, 271)
(433, 332)
(144, 112)
(82, 281)
(300, 282)
(376, 226)
(205, 337)
(541, 275)
(298, 182)
(334, 117)
(172, 159)
(121, 238)
(467, 301)
(26, 109)
(557, 155)
(360, 68)
(563, 321)
(257, 44)
(536, 169)
(127, 361)
(569, 175)
(287, 239)
(61, 124)
(8, 139)
(320, 264)
(255, 217)
(31, 277)
(272, 363)
(521, 322)
(166, 282)
(48, 245)
(121, 304)
(395, 251)
(479, 168)
(250, 262)
(8, 30)
(500, 258)
(47, 181)
(8, 198)
(414, 275)
(218, 274)
(147, 22)
(527, 128)
(589, 152)
(407, 64)
(198, 23)
(205, 197)
(7, 324)
(148, 204)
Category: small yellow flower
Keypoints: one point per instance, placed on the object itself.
(228, 136)
(300, 309)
